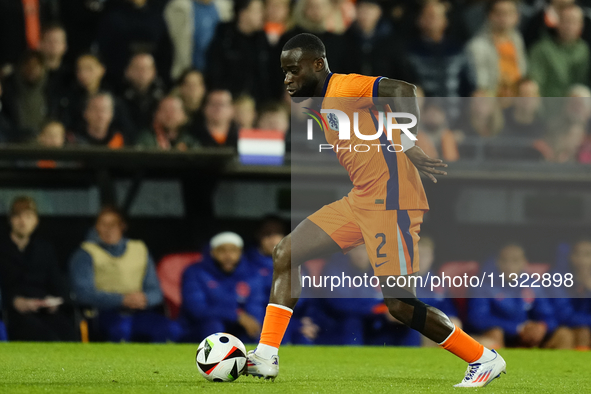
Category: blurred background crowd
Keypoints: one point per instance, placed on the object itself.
(114, 291)
(176, 74)
(180, 74)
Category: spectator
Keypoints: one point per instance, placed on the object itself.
(242, 41)
(90, 73)
(217, 127)
(270, 231)
(221, 294)
(277, 15)
(440, 63)
(53, 47)
(486, 116)
(373, 47)
(116, 276)
(311, 16)
(52, 135)
(99, 128)
(321, 15)
(89, 80)
(20, 29)
(516, 316)
(575, 312)
(133, 26)
(438, 298)
(435, 137)
(558, 63)
(192, 25)
(274, 116)
(523, 119)
(170, 129)
(34, 293)
(497, 52)
(566, 139)
(352, 315)
(191, 90)
(545, 22)
(482, 121)
(143, 90)
(245, 112)
(26, 97)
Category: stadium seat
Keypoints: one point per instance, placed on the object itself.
(170, 273)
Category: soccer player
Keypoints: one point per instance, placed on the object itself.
(384, 210)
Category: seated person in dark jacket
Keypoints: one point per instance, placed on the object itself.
(217, 127)
(270, 232)
(170, 128)
(89, 82)
(34, 293)
(222, 293)
(117, 276)
(143, 90)
(99, 128)
(515, 316)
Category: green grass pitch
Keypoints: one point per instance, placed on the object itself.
(135, 368)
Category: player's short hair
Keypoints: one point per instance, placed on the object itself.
(308, 43)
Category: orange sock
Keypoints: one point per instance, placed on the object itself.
(275, 323)
(463, 346)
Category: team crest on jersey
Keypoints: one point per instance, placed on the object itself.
(333, 121)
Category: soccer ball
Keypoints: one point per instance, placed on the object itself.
(221, 357)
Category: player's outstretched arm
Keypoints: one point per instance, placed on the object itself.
(403, 98)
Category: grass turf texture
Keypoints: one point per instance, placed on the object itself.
(135, 368)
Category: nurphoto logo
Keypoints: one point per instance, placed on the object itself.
(339, 121)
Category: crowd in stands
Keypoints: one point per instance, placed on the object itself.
(115, 293)
(178, 74)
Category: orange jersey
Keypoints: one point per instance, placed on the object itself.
(382, 180)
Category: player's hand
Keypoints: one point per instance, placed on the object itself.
(250, 324)
(136, 300)
(26, 305)
(424, 163)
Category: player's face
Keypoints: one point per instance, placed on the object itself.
(300, 77)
